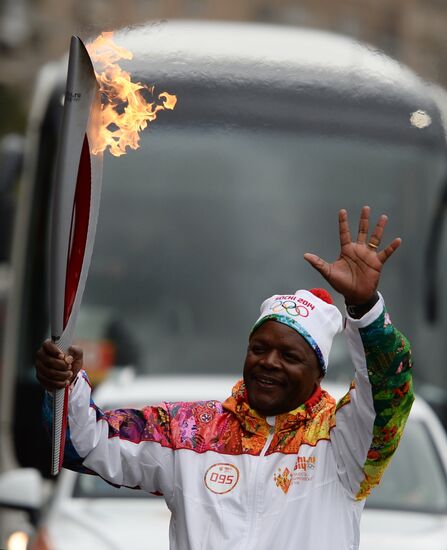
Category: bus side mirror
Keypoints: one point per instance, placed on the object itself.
(432, 258)
(11, 163)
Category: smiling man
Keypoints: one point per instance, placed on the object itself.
(288, 350)
(278, 464)
(280, 370)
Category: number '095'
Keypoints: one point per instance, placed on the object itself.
(223, 479)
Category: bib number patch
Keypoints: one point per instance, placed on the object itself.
(221, 478)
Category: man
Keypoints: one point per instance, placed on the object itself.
(278, 464)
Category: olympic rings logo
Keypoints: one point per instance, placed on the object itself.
(290, 307)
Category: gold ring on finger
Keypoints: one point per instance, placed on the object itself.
(372, 245)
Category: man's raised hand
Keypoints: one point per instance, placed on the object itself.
(356, 273)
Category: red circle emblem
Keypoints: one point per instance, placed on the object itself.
(221, 478)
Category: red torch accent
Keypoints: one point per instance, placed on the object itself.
(75, 258)
(79, 229)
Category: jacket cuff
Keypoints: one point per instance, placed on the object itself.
(75, 386)
(369, 317)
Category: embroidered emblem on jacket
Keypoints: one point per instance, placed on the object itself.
(283, 480)
(303, 470)
(305, 463)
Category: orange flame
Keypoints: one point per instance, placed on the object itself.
(125, 111)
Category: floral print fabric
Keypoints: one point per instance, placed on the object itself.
(389, 364)
(234, 428)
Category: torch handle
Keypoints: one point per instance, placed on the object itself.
(60, 406)
(60, 410)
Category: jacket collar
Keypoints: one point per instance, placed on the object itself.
(254, 422)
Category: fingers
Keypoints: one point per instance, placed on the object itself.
(54, 374)
(76, 353)
(363, 225)
(377, 234)
(389, 250)
(52, 379)
(343, 224)
(55, 361)
(51, 349)
(54, 369)
(318, 263)
(376, 238)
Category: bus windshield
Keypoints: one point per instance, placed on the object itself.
(198, 227)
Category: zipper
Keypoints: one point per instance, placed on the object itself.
(269, 440)
(252, 543)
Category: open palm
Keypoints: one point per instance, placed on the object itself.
(356, 273)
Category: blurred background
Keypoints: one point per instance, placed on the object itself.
(35, 31)
(287, 111)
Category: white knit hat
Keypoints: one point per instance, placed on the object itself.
(311, 313)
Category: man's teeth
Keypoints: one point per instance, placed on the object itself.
(265, 381)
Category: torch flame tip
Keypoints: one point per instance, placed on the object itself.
(125, 111)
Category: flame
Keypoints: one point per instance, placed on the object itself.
(125, 111)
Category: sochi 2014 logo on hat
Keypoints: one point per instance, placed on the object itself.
(221, 478)
(290, 307)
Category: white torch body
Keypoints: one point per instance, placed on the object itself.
(74, 216)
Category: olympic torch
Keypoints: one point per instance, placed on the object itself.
(74, 216)
(89, 127)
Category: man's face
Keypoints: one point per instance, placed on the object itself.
(281, 370)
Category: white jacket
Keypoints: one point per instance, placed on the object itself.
(232, 481)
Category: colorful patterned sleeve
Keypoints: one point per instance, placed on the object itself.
(126, 447)
(370, 419)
